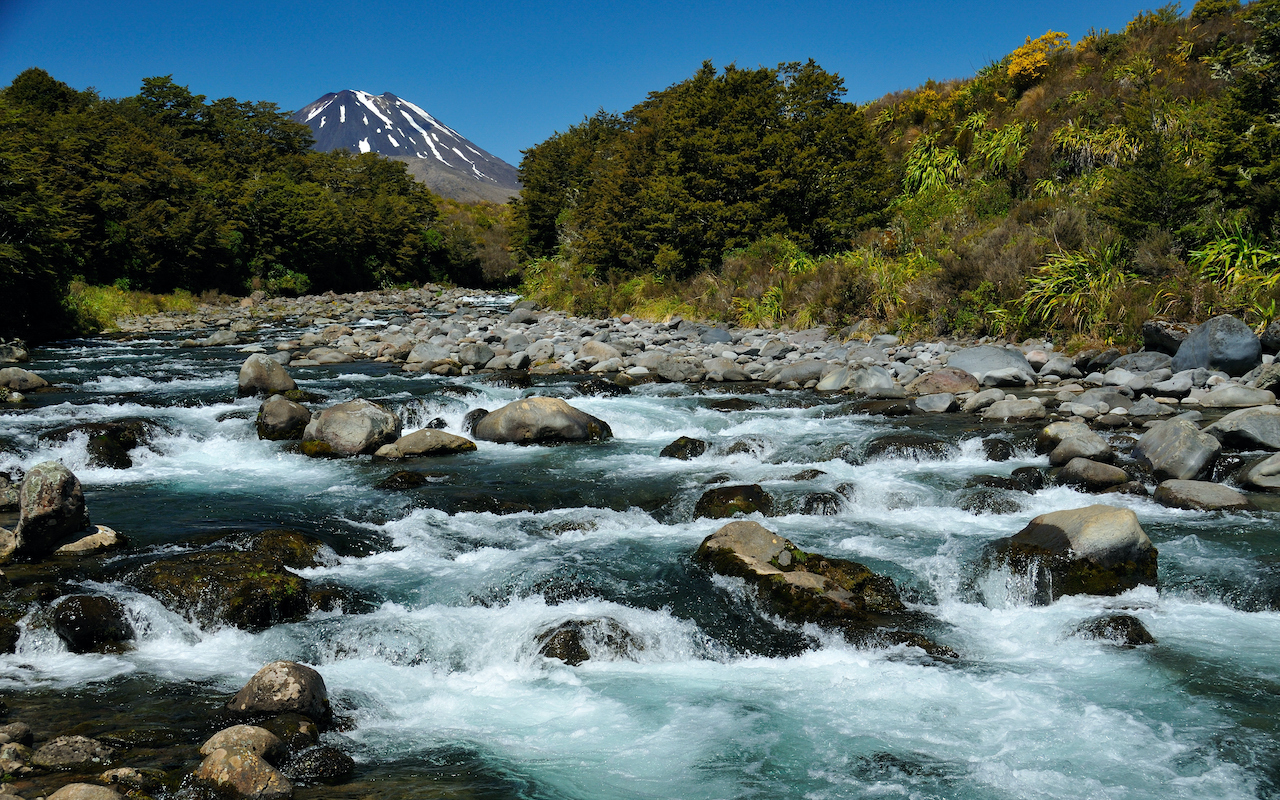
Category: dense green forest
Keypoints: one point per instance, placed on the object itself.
(1074, 188)
(164, 191)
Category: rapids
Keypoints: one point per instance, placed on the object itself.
(440, 675)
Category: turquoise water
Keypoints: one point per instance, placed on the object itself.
(441, 674)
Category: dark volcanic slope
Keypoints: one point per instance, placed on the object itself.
(436, 154)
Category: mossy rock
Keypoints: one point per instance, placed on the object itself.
(302, 396)
(293, 549)
(569, 640)
(247, 590)
(916, 446)
(726, 501)
(1125, 630)
(316, 448)
(684, 448)
(109, 442)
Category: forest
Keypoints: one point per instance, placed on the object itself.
(1072, 189)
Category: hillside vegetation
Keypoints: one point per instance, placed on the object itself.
(1070, 189)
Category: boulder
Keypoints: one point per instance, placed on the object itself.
(1090, 446)
(983, 399)
(916, 446)
(722, 369)
(807, 587)
(1163, 336)
(100, 541)
(250, 738)
(684, 448)
(1223, 343)
(1125, 630)
(948, 380)
(281, 419)
(801, 372)
(1098, 550)
(540, 420)
(261, 375)
(13, 353)
(72, 752)
(428, 355)
(600, 351)
(52, 511)
(726, 501)
(822, 504)
(1263, 474)
(574, 641)
(679, 370)
(241, 773)
(220, 338)
(997, 449)
(1147, 407)
(109, 442)
(351, 428)
(1142, 361)
(283, 687)
(475, 355)
(1233, 395)
(1177, 449)
(87, 623)
(1249, 428)
(1200, 496)
(859, 378)
(1091, 476)
(940, 403)
(423, 443)
(1005, 410)
(1055, 433)
(86, 791)
(20, 380)
(993, 366)
(1110, 397)
(322, 764)
(1270, 338)
(248, 590)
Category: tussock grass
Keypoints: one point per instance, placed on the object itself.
(99, 308)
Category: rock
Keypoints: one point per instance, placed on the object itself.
(15, 759)
(250, 738)
(222, 338)
(321, 764)
(997, 449)
(823, 504)
(87, 623)
(19, 732)
(948, 380)
(1270, 339)
(351, 428)
(428, 355)
(402, 480)
(1178, 386)
(1200, 496)
(574, 641)
(1006, 410)
(1090, 446)
(1142, 361)
(52, 510)
(540, 420)
(281, 419)
(1110, 397)
(283, 687)
(1122, 629)
(1098, 550)
(936, 403)
(808, 587)
(14, 353)
(680, 371)
(1090, 475)
(109, 442)
(599, 387)
(917, 446)
(801, 372)
(600, 351)
(100, 541)
(993, 366)
(988, 501)
(423, 443)
(1249, 428)
(1164, 337)
(260, 375)
(1146, 407)
(298, 732)
(20, 380)
(1177, 449)
(248, 590)
(1263, 474)
(72, 752)
(684, 448)
(85, 791)
(475, 355)
(472, 417)
(138, 782)
(981, 400)
(726, 501)
(1223, 343)
(243, 774)
(1231, 395)
(1055, 433)
(860, 378)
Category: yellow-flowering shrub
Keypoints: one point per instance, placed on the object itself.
(1028, 63)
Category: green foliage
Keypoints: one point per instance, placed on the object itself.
(1242, 267)
(96, 308)
(1207, 9)
(930, 167)
(1075, 290)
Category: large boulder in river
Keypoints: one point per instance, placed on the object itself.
(993, 366)
(949, 380)
(263, 375)
(1099, 550)
(1249, 428)
(726, 501)
(248, 590)
(540, 420)
(1201, 496)
(1177, 449)
(808, 587)
(866, 378)
(1263, 474)
(89, 622)
(423, 443)
(236, 768)
(281, 419)
(110, 442)
(349, 429)
(283, 687)
(52, 511)
(1223, 343)
(21, 380)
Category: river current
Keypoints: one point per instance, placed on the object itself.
(439, 669)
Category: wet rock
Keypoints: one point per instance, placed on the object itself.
(947, 380)
(1092, 476)
(600, 387)
(1134, 488)
(917, 446)
(540, 420)
(1249, 428)
(261, 375)
(88, 623)
(424, 443)
(936, 403)
(988, 501)
(885, 408)
(1200, 496)
(351, 428)
(109, 442)
(472, 417)
(86, 791)
(1163, 336)
(726, 501)
(860, 378)
(72, 752)
(1176, 449)
(574, 641)
(824, 504)
(293, 549)
(1054, 434)
(982, 400)
(808, 587)
(1098, 550)
(807, 475)
(1090, 446)
(1223, 343)
(250, 738)
(1122, 629)
(247, 590)
(101, 540)
(1029, 478)
(684, 448)
(1263, 474)
(281, 419)
(137, 782)
(283, 687)
(19, 732)
(20, 380)
(997, 450)
(15, 758)
(52, 510)
(298, 732)
(1005, 410)
(243, 774)
(321, 764)
(402, 481)
(1230, 395)
(731, 404)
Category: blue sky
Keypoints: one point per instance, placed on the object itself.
(509, 74)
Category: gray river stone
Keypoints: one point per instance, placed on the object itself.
(1142, 361)
(1249, 428)
(1008, 367)
(283, 687)
(1232, 395)
(351, 428)
(426, 442)
(1176, 449)
(21, 380)
(51, 511)
(1092, 475)
(1222, 343)
(279, 419)
(540, 420)
(263, 375)
(1263, 473)
(1200, 496)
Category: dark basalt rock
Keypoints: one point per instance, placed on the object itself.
(1030, 478)
(997, 449)
(916, 446)
(807, 475)
(826, 504)
(321, 764)
(88, 623)
(1223, 343)
(109, 442)
(573, 641)
(684, 448)
(511, 379)
(436, 424)
(296, 731)
(402, 481)
(473, 416)
(247, 590)
(884, 408)
(1122, 629)
(733, 404)
(726, 501)
(988, 501)
(599, 387)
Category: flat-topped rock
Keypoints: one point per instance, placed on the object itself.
(540, 420)
(424, 443)
(1201, 496)
(1176, 449)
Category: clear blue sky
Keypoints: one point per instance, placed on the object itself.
(508, 74)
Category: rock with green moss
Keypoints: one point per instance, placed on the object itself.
(1098, 550)
(247, 590)
(52, 511)
(808, 587)
(727, 501)
(351, 428)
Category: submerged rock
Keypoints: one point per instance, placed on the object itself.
(1122, 629)
(917, 446)
(684, 448)
(574, 641)
(71, 752)
(726, 501)
(322, 764)
(247, 590)
(540, 420)
(1100, 550)
(109, 442)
